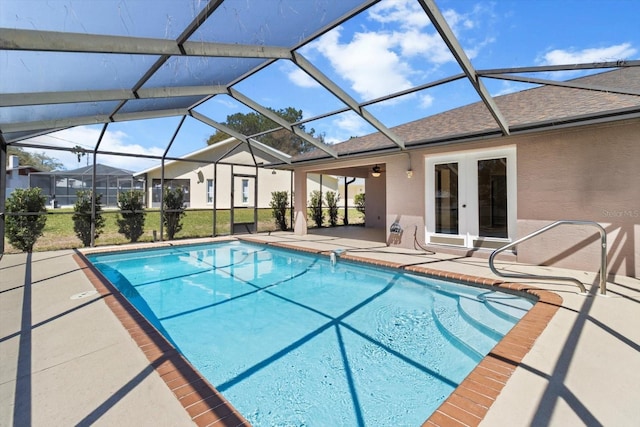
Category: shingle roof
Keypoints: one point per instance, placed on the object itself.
(532, 108)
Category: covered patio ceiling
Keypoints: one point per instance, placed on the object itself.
(69, 64)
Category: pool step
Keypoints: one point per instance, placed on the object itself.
(463, 335)
(475, 325)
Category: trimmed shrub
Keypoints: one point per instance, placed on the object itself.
(173, 205)
(23, 231)
(132, 214)
(279, 205)
(332, 198)
(359, 202)
(315, 205)
(82, 217)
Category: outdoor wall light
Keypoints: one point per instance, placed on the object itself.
(409, 173)
(376, 171)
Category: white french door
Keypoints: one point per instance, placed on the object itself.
(471, 198)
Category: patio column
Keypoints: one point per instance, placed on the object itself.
(300, 203)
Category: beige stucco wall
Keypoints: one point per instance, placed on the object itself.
(590, 173)
(269, 180)
(198, 174)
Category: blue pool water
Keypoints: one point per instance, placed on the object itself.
(290, 339)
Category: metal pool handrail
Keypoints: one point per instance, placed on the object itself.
(603, 256)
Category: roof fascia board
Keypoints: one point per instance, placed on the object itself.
(280, 121)
(328, 84)
(581, 120)
(240, 137)
(68, 97)
(451, 41)
(569, 84)
(54, 41)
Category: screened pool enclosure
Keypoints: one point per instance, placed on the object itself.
(97, 66)
(61, 187)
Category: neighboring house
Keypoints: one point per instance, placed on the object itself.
(229, 170)
(572, 153)
(61, 187)
(17, 176)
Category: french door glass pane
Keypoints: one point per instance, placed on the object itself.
(446, 181)
(492, 197)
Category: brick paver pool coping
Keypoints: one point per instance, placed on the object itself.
(466, 406)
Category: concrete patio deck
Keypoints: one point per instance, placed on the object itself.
(66, 359)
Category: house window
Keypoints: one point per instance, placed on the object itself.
(156, 192)
(209, 191)
(245, 191)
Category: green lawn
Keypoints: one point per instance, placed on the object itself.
(59, 234)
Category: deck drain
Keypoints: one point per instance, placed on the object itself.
(84, 294)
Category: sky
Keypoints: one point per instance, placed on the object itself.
(388, 48)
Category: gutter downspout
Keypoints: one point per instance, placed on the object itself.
(346, 199)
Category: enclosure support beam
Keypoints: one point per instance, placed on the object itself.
(240, 137)
(164, 155)
(215, 197)
(291, 210)
(438, 21)
(281, 122)
(93, 186)
(55, 41)
(3, 190)
(343, 96)
(255, 202)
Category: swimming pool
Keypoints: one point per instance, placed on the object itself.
(290, 339)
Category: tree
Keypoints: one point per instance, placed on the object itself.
(173, 205)
(39, 161)
(23, 230)
(279, 205)
(82, 216)
(132, 214)
(281, 139)
(315, 204)
(359, 201)
(332, 198)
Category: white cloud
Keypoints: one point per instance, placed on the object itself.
(87, 137)
(406, 13)
(302, 79)
(457, 21)
(603, 54)
(430, 46)
(395, 47)
(368, 62)
(426, 100)
(350, 123)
